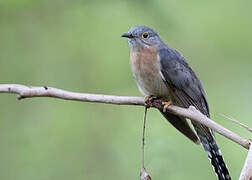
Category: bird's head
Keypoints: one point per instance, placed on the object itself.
(142, 36)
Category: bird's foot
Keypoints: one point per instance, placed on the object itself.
(166, 104)
(149, 99)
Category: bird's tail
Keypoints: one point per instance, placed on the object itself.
(214, 155)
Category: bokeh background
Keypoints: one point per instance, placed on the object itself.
(76, 45)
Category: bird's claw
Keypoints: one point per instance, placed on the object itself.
(148, 100)
(166, 104)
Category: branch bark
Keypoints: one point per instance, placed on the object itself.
(33, 91)
(190, 113)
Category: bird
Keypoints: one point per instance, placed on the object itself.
(161, 71)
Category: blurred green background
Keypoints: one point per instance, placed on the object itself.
(76, 45)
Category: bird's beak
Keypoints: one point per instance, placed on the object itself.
(127, 35)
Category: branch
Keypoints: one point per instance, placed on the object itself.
(237, 122)
(246, 173)
(32, 91)
(190, 113)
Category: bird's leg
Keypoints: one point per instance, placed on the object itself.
(166, 104)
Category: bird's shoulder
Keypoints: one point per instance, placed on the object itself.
(171, 58)
(174, 66)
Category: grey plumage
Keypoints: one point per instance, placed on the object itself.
(163, 72)
(186, 90)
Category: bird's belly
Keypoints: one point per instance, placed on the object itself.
(146, 70)
(150, 84)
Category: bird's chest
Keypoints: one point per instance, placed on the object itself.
(146, 70)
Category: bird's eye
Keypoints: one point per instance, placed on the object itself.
(145, 35)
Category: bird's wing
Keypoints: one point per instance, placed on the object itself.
(183, 83)
(187, 90)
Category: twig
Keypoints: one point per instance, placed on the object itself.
(143, 137)
(246, 173)
(237, 122)
(143, 173)
(190, 113)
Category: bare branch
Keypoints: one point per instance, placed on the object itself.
(237, 122)
(32, 91)
(246, 173)
(190, 113)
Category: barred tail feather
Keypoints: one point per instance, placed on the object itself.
(215, 156)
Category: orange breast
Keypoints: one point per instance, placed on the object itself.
(146, 70)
